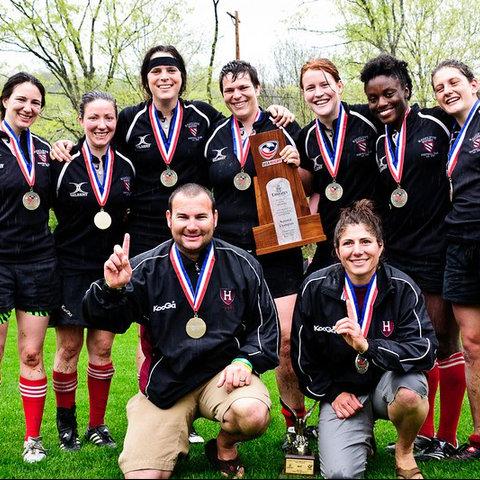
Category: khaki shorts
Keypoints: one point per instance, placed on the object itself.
(156, 437)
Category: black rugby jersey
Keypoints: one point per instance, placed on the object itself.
(24, 234)
(237, 209)
(463, 220)
(418, 228)
(80, 244)
(135, 139)
(357, 173)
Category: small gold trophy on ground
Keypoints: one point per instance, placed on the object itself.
(299, 459)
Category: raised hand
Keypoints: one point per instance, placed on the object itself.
(281, 116)
(117, 270)
(350, 330)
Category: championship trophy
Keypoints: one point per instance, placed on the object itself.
(283, 213)
(299, 459)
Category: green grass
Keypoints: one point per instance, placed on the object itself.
(262, 457)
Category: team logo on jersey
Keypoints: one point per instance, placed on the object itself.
(78, 192)
(428, 146)
(193, 129)
(387, 327)
(219, 155)
(126, 183)
(268, 149)
(382, 163)
(317, 163)
(227, 295)
(42, 156)
(475, 143)
(361, 144)
(142, 142)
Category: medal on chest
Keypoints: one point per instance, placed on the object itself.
(332, 154)
(457, 145)
(31, 199)
(195, 327)
(101, 188)
(363, 316)
(167, 145)
(241, 149)
(395, 157)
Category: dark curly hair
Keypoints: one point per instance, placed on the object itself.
(360, 212)
(389, 66)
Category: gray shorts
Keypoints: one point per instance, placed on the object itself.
(344, 445)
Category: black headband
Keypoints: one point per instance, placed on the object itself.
(166, 61)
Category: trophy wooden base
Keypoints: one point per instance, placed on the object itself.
(299, 465)
(266, 237)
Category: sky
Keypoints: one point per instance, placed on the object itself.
(262, 24)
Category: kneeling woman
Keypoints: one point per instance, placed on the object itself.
(361, 339)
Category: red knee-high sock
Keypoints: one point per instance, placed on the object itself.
(65, 387)
(452, 391)
(428, 427)
(99, 380)
(33, 394)
(289, 420)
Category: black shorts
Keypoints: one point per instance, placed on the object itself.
(462, 274)
(283, 271)
(73, 286)
(32, 287)
(427, 272)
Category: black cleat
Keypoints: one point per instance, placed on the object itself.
(67, 429)
(100, 436)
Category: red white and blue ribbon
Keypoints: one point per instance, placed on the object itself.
(395, 154)
(362, 316)
(166, 145)
(457, 144)
(241, 148)
(331, 157)
(101, 189)
(194, 298)
(27, 165)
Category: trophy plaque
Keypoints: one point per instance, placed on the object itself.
(283, 213)
(299, 459)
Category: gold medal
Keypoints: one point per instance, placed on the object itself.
(102, 220)
(399, 197)
(169, 177)
(242, 180)
(334, 191)
(196, 327)
(31, 200)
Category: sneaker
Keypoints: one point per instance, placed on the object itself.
(67, 429)
(100, 436)
(438, 450)
(420, 444)
(33, 450)
(287, 444)
(194, 437)
(468, 452)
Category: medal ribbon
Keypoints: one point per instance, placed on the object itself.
(166, 146)
(241, 149)
(364, 317)
(27, 165)
(194, 298)
(100, 189)
(331, 158)
(395, 154)
(455, 148)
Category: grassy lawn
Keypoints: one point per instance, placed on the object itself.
(262, 457)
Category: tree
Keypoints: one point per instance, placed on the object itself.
(421, 32)
(87, 44)
(212, 54)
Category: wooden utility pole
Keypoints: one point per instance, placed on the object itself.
(236, 21)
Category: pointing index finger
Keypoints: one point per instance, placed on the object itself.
(350, 312)
(126, 244)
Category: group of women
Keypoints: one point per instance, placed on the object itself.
(119, 177)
